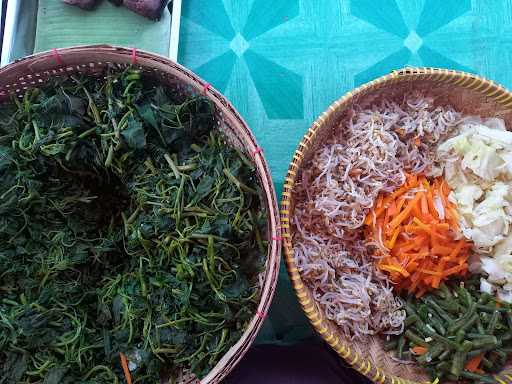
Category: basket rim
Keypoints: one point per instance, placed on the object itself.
(315, 316)
(29, 72)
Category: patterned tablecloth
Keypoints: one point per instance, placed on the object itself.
(282, 62)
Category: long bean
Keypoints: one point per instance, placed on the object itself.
(456, 325)
(415, 338)
(477, 377)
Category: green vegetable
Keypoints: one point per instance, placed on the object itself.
(440, 311)
(482, 342)
(437, 323)
(492, 322)
(433, 352)
(400, 346)
(389, 345)
(477, 377)
(458, 363)
(415, 338)
(127, 225)
(457, 323)
(411, 320)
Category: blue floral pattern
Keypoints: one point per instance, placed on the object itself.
(415, 49)
(272, 81)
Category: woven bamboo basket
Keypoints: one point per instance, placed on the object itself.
(467, 93)
(34, 71)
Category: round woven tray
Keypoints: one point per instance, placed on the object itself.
(467, 93)
(35, 70)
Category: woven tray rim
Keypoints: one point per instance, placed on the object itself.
(36, 69)
(315, 316)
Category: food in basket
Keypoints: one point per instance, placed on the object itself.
(386, 217)
(132, 235)
(456, 332)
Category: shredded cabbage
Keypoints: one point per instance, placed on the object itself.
(477, 164)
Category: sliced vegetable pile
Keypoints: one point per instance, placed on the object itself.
(477, 164)
(131, 235)
(414, 229)
(456, 332)
(405, 198)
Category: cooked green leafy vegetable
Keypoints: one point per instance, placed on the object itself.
(457, 332)
(127, 225)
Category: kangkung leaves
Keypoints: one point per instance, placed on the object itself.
(127, 224)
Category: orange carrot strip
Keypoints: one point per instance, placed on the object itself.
(431, 206)
(442, 250)
(400, 204)
(437, 280)
(429, 272)
(421, 292)
(473, 363)
(424, 204)
(421, 224)
(403, 215)
(392, 241)
(126, 370)
(392, 209)
(416, 212)
(454, 270)
(419, 350)
(393, 268)
(422, 249)
(412, 266)
(457, 249)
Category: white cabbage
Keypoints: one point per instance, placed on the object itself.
(477, 164)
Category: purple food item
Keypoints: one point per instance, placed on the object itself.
(84, 4)
(152, 9)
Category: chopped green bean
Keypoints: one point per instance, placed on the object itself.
(491, 308)
(445, 354)
(391, 344)
(493, 322)
(458, 363)
(411, 320)
(459, 337)
(433, 352)
(508, 316)
(440, 311)
(415, 338)
(472, 320)
(456, 326)
(479, 326)
(401, 344)
(477, 377)
(490, 341)
(487, 363)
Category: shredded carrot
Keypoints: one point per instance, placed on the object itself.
(418, 350)
(421, 250)
(473, 363)
(126, 370)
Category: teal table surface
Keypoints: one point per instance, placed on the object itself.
(282, 62)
